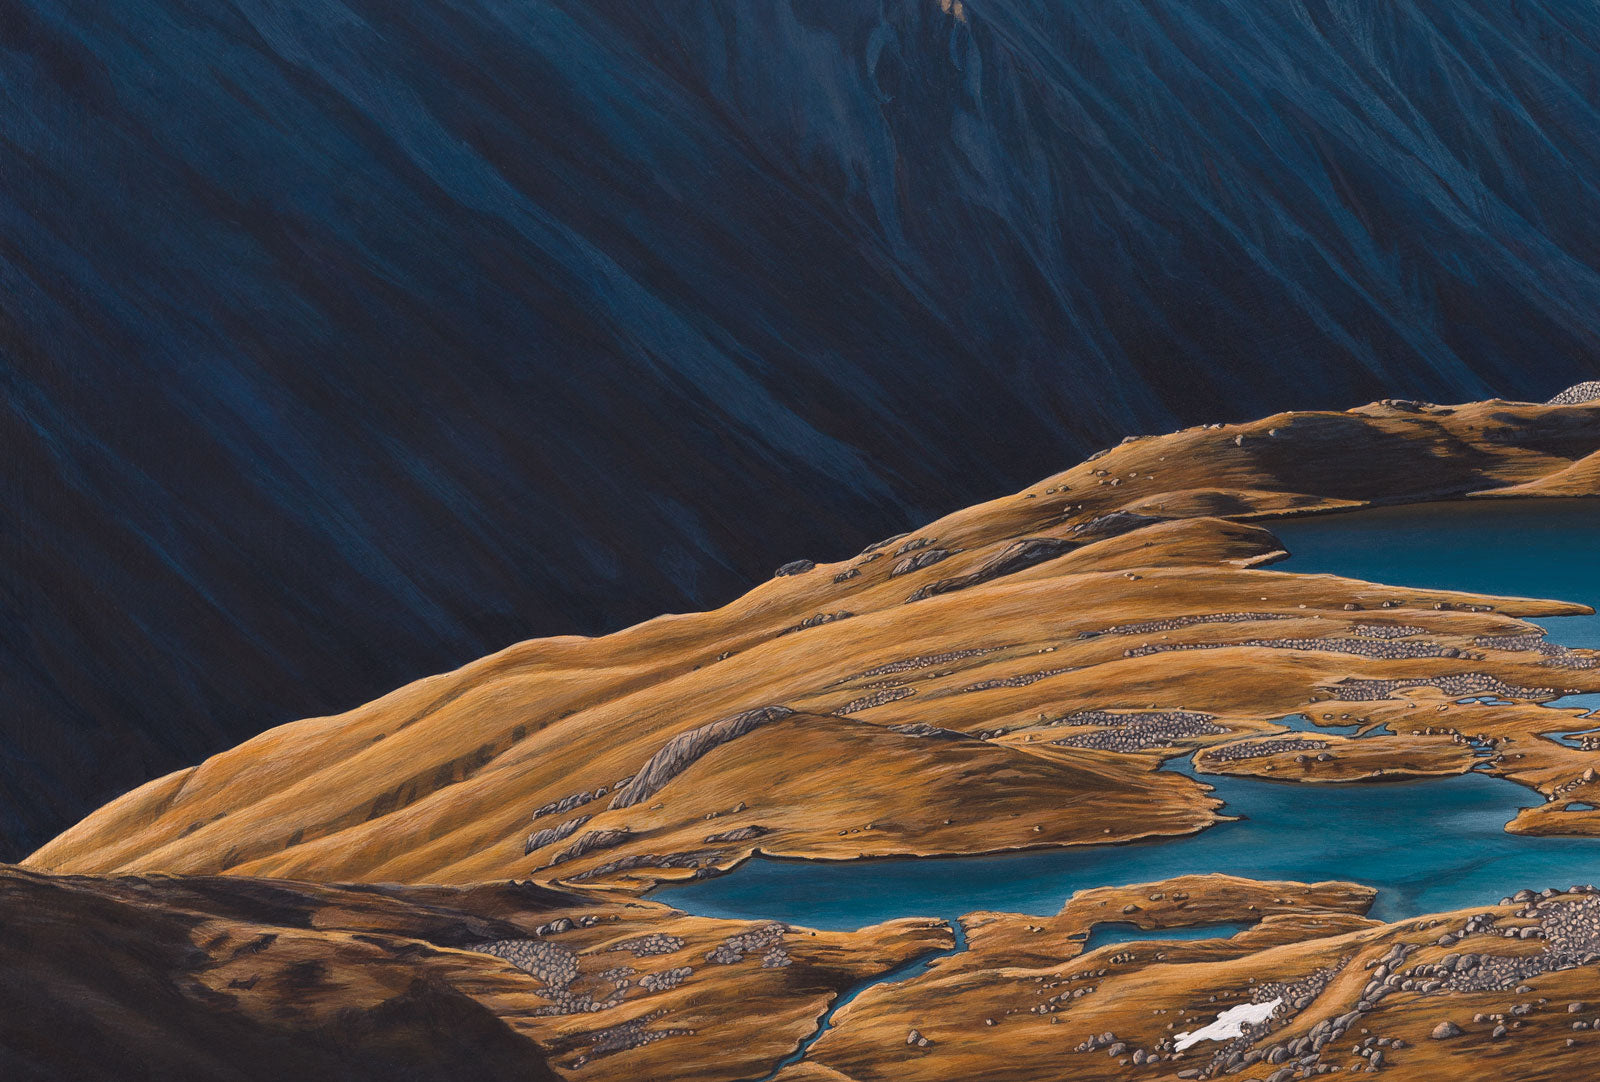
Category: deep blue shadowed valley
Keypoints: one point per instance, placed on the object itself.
(342, 343)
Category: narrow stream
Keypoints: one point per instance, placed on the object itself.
(902, 972)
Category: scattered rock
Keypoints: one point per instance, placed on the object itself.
(1257, 749)
(646, 945)
(742, 834)
(588, 843)
(816, 621)
(621, 1038)
(660, 982)
(923, 729)
(885, 543)
(550, 835)
(1131, 732)
(877, 698)
(1111, 525)
(1015, 557)
(767, 938)
(917, 561)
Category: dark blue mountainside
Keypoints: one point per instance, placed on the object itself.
(345, 342)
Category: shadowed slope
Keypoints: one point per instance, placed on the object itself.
(121, 980)
(234, 979)
(360, 338)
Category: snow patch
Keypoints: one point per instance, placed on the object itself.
(1230, 1023)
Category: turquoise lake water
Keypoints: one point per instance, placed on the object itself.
(1426, 845)
(1533, 548)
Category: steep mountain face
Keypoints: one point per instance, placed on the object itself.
(350, 341)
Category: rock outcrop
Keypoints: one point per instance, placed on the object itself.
(681, 751)
(1578, 394)
(1015, 557)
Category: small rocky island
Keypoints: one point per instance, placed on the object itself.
(1019, 675)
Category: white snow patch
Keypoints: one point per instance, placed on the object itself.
(1230, 1023)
